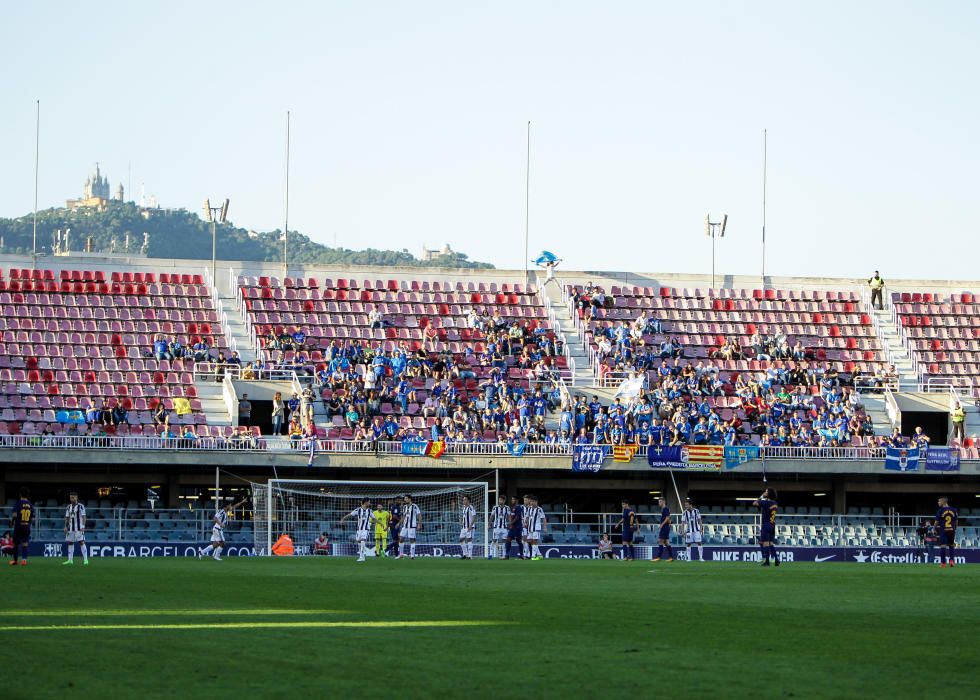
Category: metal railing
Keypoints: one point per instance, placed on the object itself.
(350, 446)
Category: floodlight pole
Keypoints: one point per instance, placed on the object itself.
(213, 215)
(764, 163)
(285, 230)
(37, 158)
(714, 230)
(527, 208)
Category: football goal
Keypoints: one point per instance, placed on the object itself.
(305, 509)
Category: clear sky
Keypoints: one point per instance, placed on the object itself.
(409, 124)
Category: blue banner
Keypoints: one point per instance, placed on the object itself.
(740, 454)
(666, 457)
(902, 459)
(942, 459)
(587, 458)
(516, 448)
(415, 448)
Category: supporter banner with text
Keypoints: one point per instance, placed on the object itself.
(941, 459)
(587, 458)
(740, 454)
(702, 457)
(788, 555)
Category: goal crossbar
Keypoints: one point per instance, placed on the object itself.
(299, 506)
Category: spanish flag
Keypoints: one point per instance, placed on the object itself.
(623, 453)
(435, 448)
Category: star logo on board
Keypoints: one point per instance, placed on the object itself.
(860, 557)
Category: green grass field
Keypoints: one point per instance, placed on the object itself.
(175, 628)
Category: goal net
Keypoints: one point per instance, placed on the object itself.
(305, 509)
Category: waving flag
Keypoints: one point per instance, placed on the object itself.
(424, 448)
(901, 459)
(623, 453)
(517, 448)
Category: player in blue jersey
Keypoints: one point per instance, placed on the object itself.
(516, 531)
(946, 519)
(663, 538)
(628, 523)
(766, 503)
(394, 524)
(20, 523)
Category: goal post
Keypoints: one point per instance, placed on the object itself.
(305, 508)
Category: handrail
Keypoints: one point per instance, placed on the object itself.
(348, 446)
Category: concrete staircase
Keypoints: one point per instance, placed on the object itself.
(573, 341)
(210, 392)
(212, 400)
(896, 350)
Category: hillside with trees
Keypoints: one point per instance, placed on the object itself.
(178, 233)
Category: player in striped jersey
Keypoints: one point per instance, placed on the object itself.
(500, 520)
(220, 519)
(410, 523)
(75, 529)
(364, 517)
(467, 521)
(537, 525)
(691, 520)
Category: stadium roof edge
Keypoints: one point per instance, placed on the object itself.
(603, 277)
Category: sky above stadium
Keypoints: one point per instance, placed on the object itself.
(409, 124)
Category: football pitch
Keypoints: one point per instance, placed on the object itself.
(304, 627)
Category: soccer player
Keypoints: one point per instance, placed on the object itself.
(946, 518)
(75, 530)
(364, 516)
(382, 523)
(691, 519)
(467, 520)
(218, 532)
(537, 525)
(628, 523)
(525, 547)
(395, 524)
(500, 519)
(411, 522)
(21, 521)
(663, 538)
(766, 503)
(516, 529)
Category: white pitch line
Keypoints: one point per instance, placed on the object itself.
(121, 613)
(367, 624)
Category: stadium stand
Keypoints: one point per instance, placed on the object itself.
(942, 332)
(76, 355)
(432, 348)
(779, 365)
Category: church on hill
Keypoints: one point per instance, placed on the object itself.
(96, 193)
